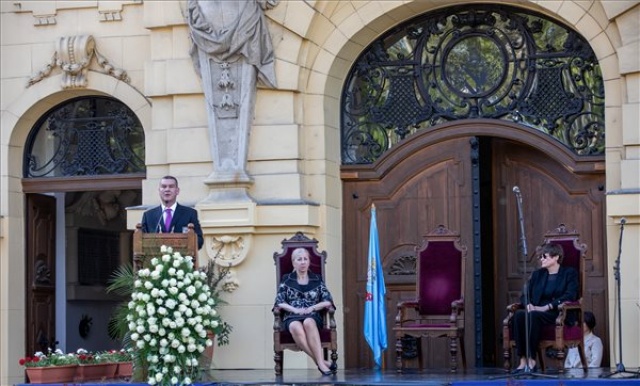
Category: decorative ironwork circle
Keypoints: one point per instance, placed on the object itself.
(474, 65)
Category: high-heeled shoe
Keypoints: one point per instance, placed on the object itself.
(333, 367)
(325, 373)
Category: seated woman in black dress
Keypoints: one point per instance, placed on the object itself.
(548, 286)
(301, 295)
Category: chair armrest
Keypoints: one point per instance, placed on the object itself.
(402, 306)
(277, 318)
(457, 306)
(564, 308)
(511, 309)
(408, 304)
(331, 316)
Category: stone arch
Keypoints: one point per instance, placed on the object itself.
(355, 29)
(18, 120)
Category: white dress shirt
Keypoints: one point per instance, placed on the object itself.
(592, 351)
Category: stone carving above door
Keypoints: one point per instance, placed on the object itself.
(74, 55)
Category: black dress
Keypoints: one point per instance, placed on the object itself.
(302, 296)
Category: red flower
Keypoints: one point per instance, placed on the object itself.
(35, 359)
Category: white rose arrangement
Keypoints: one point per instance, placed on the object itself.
(170, 312)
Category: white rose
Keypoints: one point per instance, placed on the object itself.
(140, 344)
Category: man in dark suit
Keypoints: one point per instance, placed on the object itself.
(171, 216)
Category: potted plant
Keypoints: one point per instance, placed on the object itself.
(93, 366)
(123, 360)
(53, 367)
(171, 311)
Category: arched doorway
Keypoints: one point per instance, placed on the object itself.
(462, 180)
(83, 165)
(442, 117)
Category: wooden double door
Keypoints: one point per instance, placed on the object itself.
(463, 176)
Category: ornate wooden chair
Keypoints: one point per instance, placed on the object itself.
(283, 340)
(438, 310)
(567, 330)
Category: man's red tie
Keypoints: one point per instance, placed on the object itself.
(167, 220)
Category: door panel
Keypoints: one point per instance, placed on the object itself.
(422, 189)
(551, 194)
(41, 273)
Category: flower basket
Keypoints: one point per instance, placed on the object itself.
(96, 371)
(52, 374)
(125, 370)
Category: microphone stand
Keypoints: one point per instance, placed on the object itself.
(616, 274)
(527, 371)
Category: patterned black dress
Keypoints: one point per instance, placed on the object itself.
(302, 296)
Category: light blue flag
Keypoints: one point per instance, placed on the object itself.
(375, 314)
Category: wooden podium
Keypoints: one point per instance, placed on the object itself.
(147, 245)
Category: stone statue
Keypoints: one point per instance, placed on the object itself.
(231, 51)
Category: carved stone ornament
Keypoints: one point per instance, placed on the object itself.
(73, 56)
(227, 250)
(230, 282)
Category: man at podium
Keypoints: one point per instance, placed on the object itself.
(169, 216)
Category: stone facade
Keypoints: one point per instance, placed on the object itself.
(293, 154)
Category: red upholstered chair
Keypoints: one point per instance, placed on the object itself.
(567, 331)
(438, 310)
(282, 340)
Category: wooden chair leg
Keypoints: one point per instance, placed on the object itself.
(398, 354)
(506, 355)
(278, 359)
(334, 357)
(453, 352)
(462, 352)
